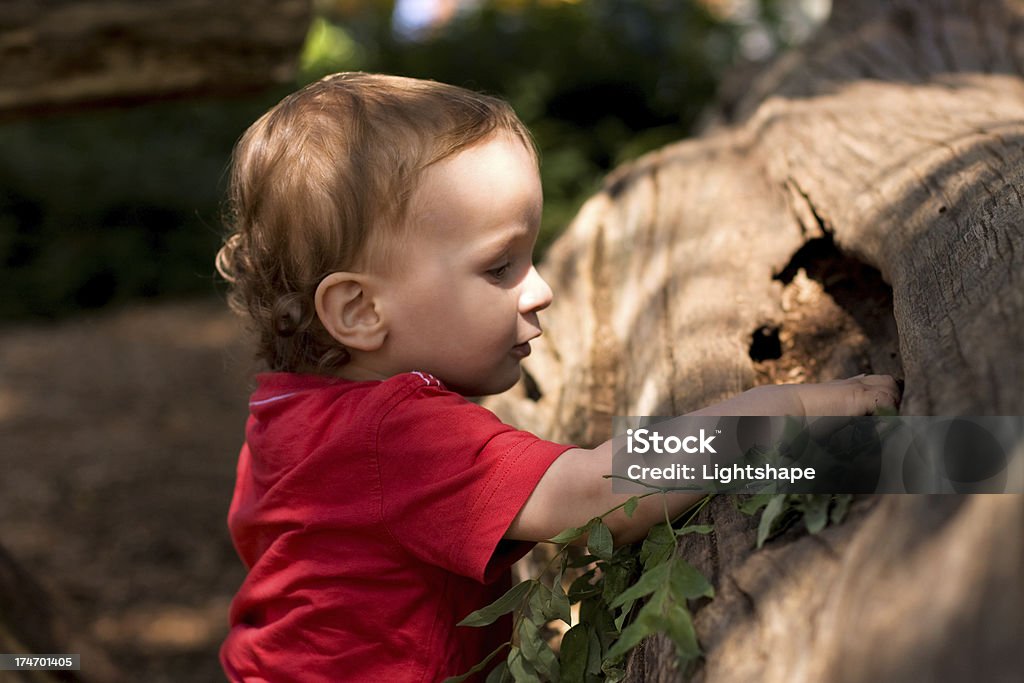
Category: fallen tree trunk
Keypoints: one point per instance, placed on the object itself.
(858, 210)
(57, 55)
(910, 588)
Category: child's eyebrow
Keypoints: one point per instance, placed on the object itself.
(500, 242)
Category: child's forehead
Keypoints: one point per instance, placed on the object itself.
(496, 164)
(497, 183)
(501, 149)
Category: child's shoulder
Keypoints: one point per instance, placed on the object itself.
(288, 408)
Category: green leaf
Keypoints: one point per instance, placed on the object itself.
(583, 561)
(594, 656)
(686, 583)
(660, 615)
(600, 540)
(753, 504)
(647, 623)
(679, 627)
(573, 655)
(771, 513)
(503, 605)
(479, 667)
(616, 579)
(594, 612)
(558, 606)
(816, 512)
(499, 674)
(522, 671)
(634, 633)
(666, 612)
(695, 529)
(613, 673)
(547, 604)
(649, 582)
(658, 546)
(630, 507)
(626, 609)
(540, 605)
(581, 588)
(536, 651)
(842, 505)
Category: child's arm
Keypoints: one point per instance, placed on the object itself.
(574, 489)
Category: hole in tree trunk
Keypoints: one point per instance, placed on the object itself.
(837, 319)
(765, 344)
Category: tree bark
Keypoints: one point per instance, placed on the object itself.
(57, 55)
(857, 209)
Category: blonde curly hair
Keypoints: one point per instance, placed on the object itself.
(321, 183)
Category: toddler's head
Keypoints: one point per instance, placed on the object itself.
(322, 183)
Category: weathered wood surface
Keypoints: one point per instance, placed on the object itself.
(666, 273)
(864, 204)
(62, 54)
(910, 588)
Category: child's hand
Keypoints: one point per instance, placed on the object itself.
(860, 395)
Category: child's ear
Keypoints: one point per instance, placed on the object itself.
(347, 310)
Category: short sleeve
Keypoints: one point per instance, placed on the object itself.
(453, 477)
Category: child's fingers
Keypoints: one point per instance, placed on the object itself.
(875, 392)
(885, 384)
(889, 386)
(886, 381)
(882, 397)
(886, 399)
(861, 395)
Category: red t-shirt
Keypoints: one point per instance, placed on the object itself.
(371, 516)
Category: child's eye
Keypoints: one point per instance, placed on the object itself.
(499, 272)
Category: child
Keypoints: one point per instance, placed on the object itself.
(382, 247)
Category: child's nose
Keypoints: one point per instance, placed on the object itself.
(536, 294)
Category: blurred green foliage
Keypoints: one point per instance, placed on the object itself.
(106, 207)
(111, 206)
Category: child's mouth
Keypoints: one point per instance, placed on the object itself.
(521, 350)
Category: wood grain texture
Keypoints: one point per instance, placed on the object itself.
(909, 588)
(57, 55)
(862, 200)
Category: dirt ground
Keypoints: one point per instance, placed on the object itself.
(119, 433)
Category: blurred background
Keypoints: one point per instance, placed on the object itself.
(123, 379)
(114, 205)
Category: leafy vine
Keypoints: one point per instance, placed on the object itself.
(625, 594)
